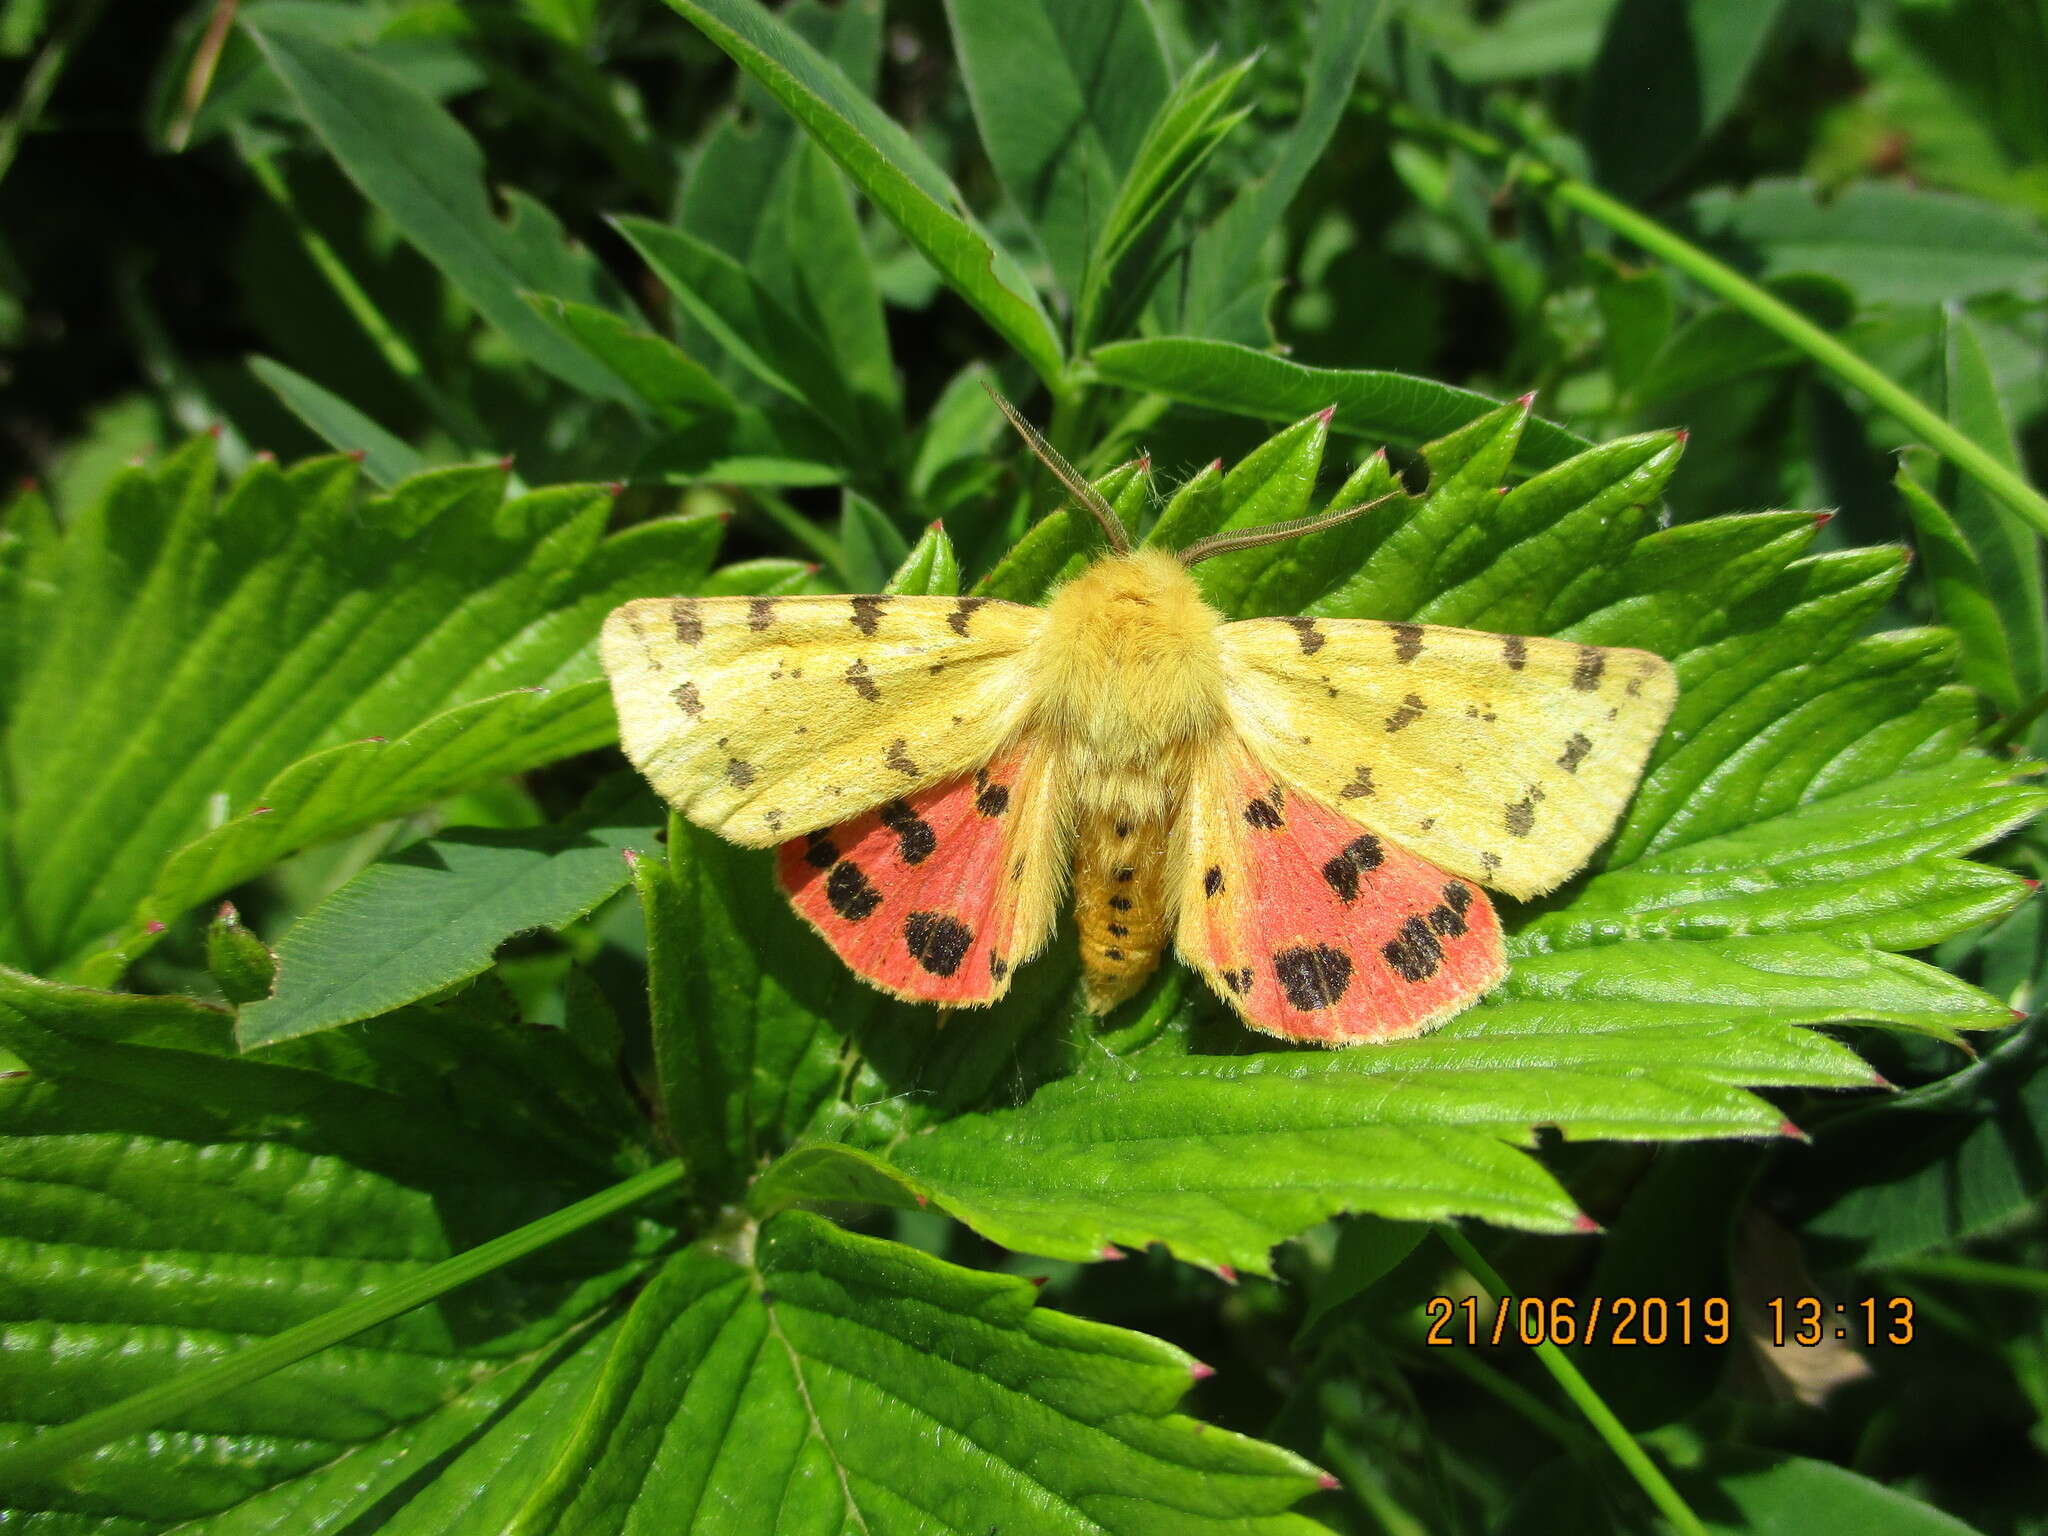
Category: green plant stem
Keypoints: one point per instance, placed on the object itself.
(1649, 1477)
(396, 351)
(1967, 1271)
(154, 1405)
(2002, 481)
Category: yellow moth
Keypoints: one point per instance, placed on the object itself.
(1305, 808)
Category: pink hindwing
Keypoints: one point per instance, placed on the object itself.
(1313, 927)
(912, 895)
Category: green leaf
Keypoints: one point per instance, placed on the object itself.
(2009, 555)
(870, 545)
(747, 321)
(1885, 241)
(929, 570)
(418, 165)
(1383, 407)
(888, 167)
(1765, 1493)
(432, 915)
(676, 388)
(242, 965)
(1959, 588)
(805, 1379)
(1667, 75)
(325, 1168)
(1722, 343)
(1224, 259)
(385, 459)
(1062, 92)
(224, 671)
(1131, 249)
(1929, 1169)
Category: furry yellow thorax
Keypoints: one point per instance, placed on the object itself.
(1127, 675)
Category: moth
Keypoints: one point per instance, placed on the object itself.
(1307, 809)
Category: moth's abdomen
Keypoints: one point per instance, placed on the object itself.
(1119, 904)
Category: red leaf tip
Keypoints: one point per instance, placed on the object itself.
(1879, 1080)
(1226, 1274)
(937, 525)
(227, 913)
(922, 1200)
(1905, 555)
(27, 484)
(1792, 1132)
(2018, 1014)
(505, 461)
(1111, 1251)
(1144, 463)
(1822, 519)
(265, 456)
(1325, 414)
(2033, 885)
(1526, 401)
(358, 454)
(1038, 1281)
(1584, 1223)
(153, 926)
(1216, 466)
(1684, 435)
(615, 489)
(1327, 1483)
(370, 740)
(261, 810)
(213, 430)
(812, 569)
(1201, 1370)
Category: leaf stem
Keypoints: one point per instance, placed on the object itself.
(396, 351)
(1969, 1271)
(2001, 480)
(153, 1405)
(41, 80)
(1649, 1477)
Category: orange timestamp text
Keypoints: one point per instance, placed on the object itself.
(1630, 1321)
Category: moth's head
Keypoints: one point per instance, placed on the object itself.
(1087, 496)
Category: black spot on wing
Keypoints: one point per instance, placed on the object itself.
(1407, 641)
(760, 613)
(998, 967)
(1311, 638)
(1212, 880)
(1514, 650)
(852, 895)
(937, 942)
(1575, 751)
(1521, 816)
(1239, 981)
(1359, 855)
(688, 621)
(898, 757)
(1410, 711)
(820, 852)
(1586, 675)
(963, 614)
(915, 840)
(1414, 952)
(685, 695)
(867, 614)
(1313, 976)
(992, 799)
(1360, 786)
(739, 774)
(1264, 812)
(858, 679)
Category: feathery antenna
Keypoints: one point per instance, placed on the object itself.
(1273, 533)
(1083, 493)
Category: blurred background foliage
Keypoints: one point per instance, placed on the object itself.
(562, 230)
